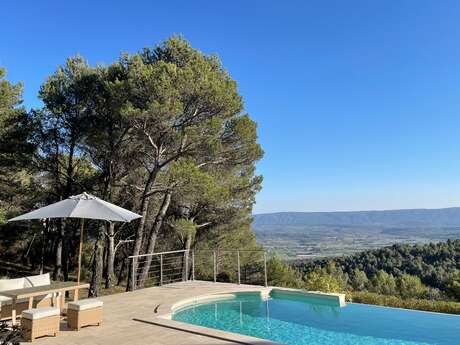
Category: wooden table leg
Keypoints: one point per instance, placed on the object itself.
(13, 311)
(75, 295)
(53, 299)
(31, 303)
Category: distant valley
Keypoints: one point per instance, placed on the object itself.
(313, 234)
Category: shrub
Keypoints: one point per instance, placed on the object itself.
(453, 285)
(359, 280)
(319, 280)
(383, 283)
(410, 303)
(410, 286)
(282, 275)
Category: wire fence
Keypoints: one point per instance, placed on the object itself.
(231, 266)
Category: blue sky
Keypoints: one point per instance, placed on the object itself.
(357, 101)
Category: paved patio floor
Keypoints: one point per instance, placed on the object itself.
(130, 318)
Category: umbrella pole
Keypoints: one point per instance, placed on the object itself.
(80, 250)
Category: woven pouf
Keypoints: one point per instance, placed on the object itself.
(40, 322)
(87, 312)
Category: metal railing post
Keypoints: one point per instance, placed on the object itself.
(133, 275)
(186, 266)
(161, 269)
(214, 266)
(265, 269)
(193, 265)
(239, 269)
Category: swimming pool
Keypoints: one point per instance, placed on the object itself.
(301, 320)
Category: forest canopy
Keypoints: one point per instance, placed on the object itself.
(430, 271)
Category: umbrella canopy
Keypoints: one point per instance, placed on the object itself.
(81, 206)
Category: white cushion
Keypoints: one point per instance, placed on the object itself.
(11, 284)
(40, 313)
(38, 280)
(85, 304)
(5, 300)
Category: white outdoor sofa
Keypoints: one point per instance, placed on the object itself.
(21, 283)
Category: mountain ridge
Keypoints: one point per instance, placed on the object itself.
(399, 217)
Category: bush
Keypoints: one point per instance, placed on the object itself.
(410, 286)
(359, 280)
(320, 280)
(282, 275)
(453, 285)
(383, 283)
(410, 303)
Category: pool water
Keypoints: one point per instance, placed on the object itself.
(303, 320)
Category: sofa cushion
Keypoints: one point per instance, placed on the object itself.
(5, 300)
(8, 301)
(85, 304)
(11, 284)
(40, 313)
(38, 280)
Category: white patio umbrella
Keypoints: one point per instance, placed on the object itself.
(83, 206)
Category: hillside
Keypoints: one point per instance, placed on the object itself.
(306, 234)
(434, 263)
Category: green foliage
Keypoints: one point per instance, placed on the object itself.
(15, 150)
(435, 264)
(378, 286)
(410, 286)
(281, 274)
(408, 303)
(336, 271)
(453, 285)
(320, 280)
(191, 141)
(359, 280)
(184, 229)
(383, 283)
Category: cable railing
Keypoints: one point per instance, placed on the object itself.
(231, 266)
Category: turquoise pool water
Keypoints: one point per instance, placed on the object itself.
(305, 321)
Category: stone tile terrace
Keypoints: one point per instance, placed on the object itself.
(134, 318)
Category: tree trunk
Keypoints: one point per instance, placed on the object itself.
(140, 229)
(45, 232)
(122, 269)
(98, 264)
(153, 237)
(110, 256)
(188, 242)
(65, 264)
(57, 274)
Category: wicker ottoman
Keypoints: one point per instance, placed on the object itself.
(40, 322)
(84, 313)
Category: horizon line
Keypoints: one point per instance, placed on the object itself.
(370, 210)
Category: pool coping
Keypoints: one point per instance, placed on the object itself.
(164, 312)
